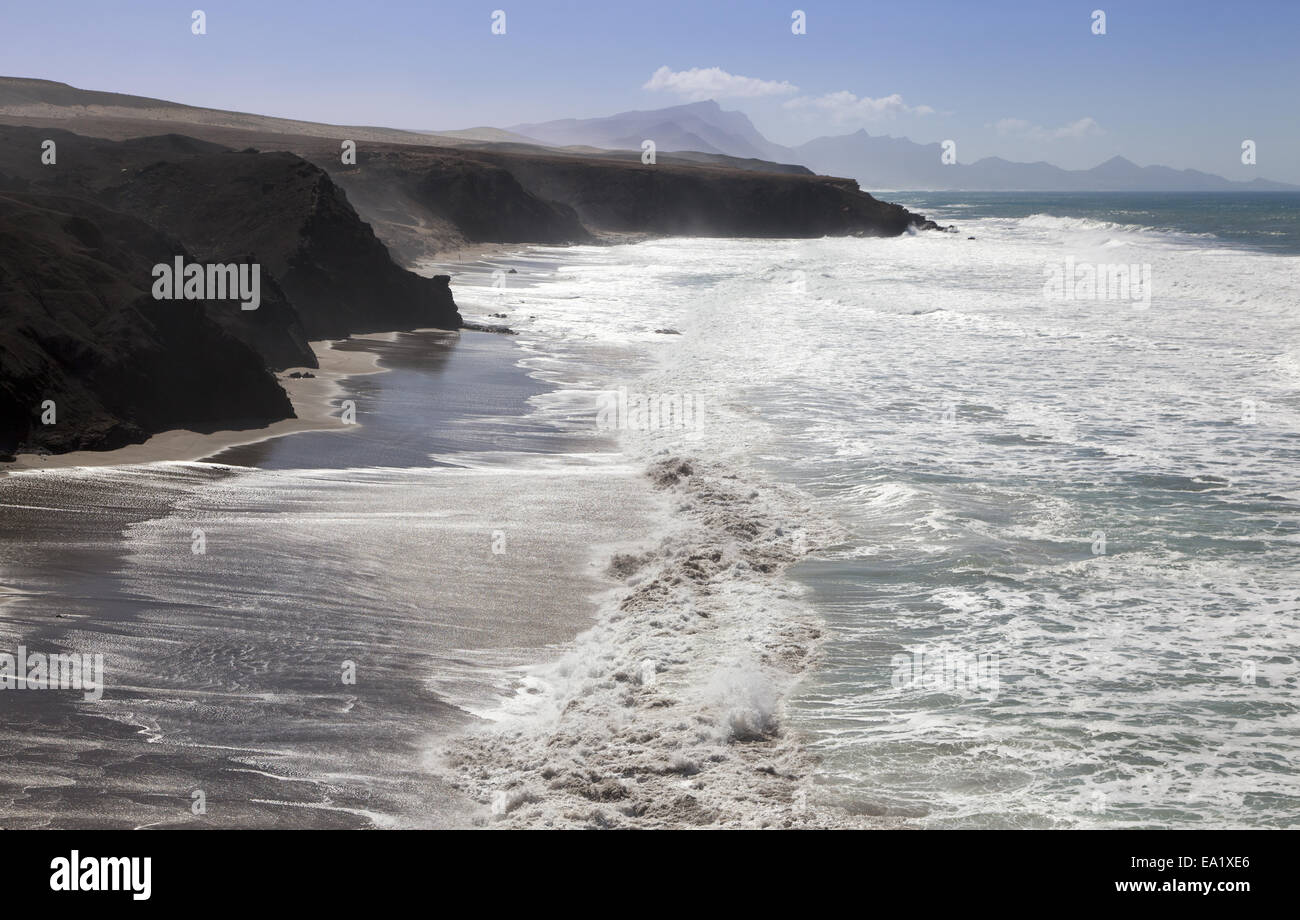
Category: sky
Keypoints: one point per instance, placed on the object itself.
(1181, 84)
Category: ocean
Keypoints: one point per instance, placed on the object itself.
(1259, 221)
(1066, 590)
(957, 532)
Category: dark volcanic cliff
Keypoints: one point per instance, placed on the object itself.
(79, 324)
(428, 194)
(290, 216)
(423, 202)
(79, 327)
(497, 197)
(708, 201)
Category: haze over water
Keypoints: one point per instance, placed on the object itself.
(969, 440)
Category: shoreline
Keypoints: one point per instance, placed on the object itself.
(312, 399)
(715, 747)
(670, 709)
(595, 738)
(427, 648)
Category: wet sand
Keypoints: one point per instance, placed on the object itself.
(315, 401)
(438, 545)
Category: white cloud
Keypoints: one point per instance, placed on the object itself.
(1021, 128)
(1079, 128)
(844, 107)
(1013, 126)
(700, 83)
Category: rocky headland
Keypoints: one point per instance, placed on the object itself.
(96, 189)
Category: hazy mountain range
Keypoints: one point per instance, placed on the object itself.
(876, 162)
(700, 126)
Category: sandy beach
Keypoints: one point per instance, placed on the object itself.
(415, 547)
(314, 401)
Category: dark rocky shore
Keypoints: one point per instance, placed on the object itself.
(80, 327)
(78, 240)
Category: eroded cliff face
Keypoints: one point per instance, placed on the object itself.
(82, 337)
(426, 201)
(291, 216)
(708, 201)
(79, 324)
(423, 203)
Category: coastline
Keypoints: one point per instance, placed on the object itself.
(701, 739)
(312, 398)
(436, 638)
(669, 708)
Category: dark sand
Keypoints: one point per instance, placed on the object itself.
(224, 669)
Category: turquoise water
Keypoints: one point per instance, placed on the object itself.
(1267, 221)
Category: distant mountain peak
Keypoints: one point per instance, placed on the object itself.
(875, 161)
(702, 126)
(883, 162)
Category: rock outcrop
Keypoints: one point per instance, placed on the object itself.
(295, 220)
(422, 202)
(84, 344)
(79, 325)
(615, 195)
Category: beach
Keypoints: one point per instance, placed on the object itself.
(852, 587)
(1040, 536)
(530, 588)
(224, 670)
(315, 402)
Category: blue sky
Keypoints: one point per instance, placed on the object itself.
(1176, 83)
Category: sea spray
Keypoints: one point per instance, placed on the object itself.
(667, 712)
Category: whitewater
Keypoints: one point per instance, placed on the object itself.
(912, 456)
